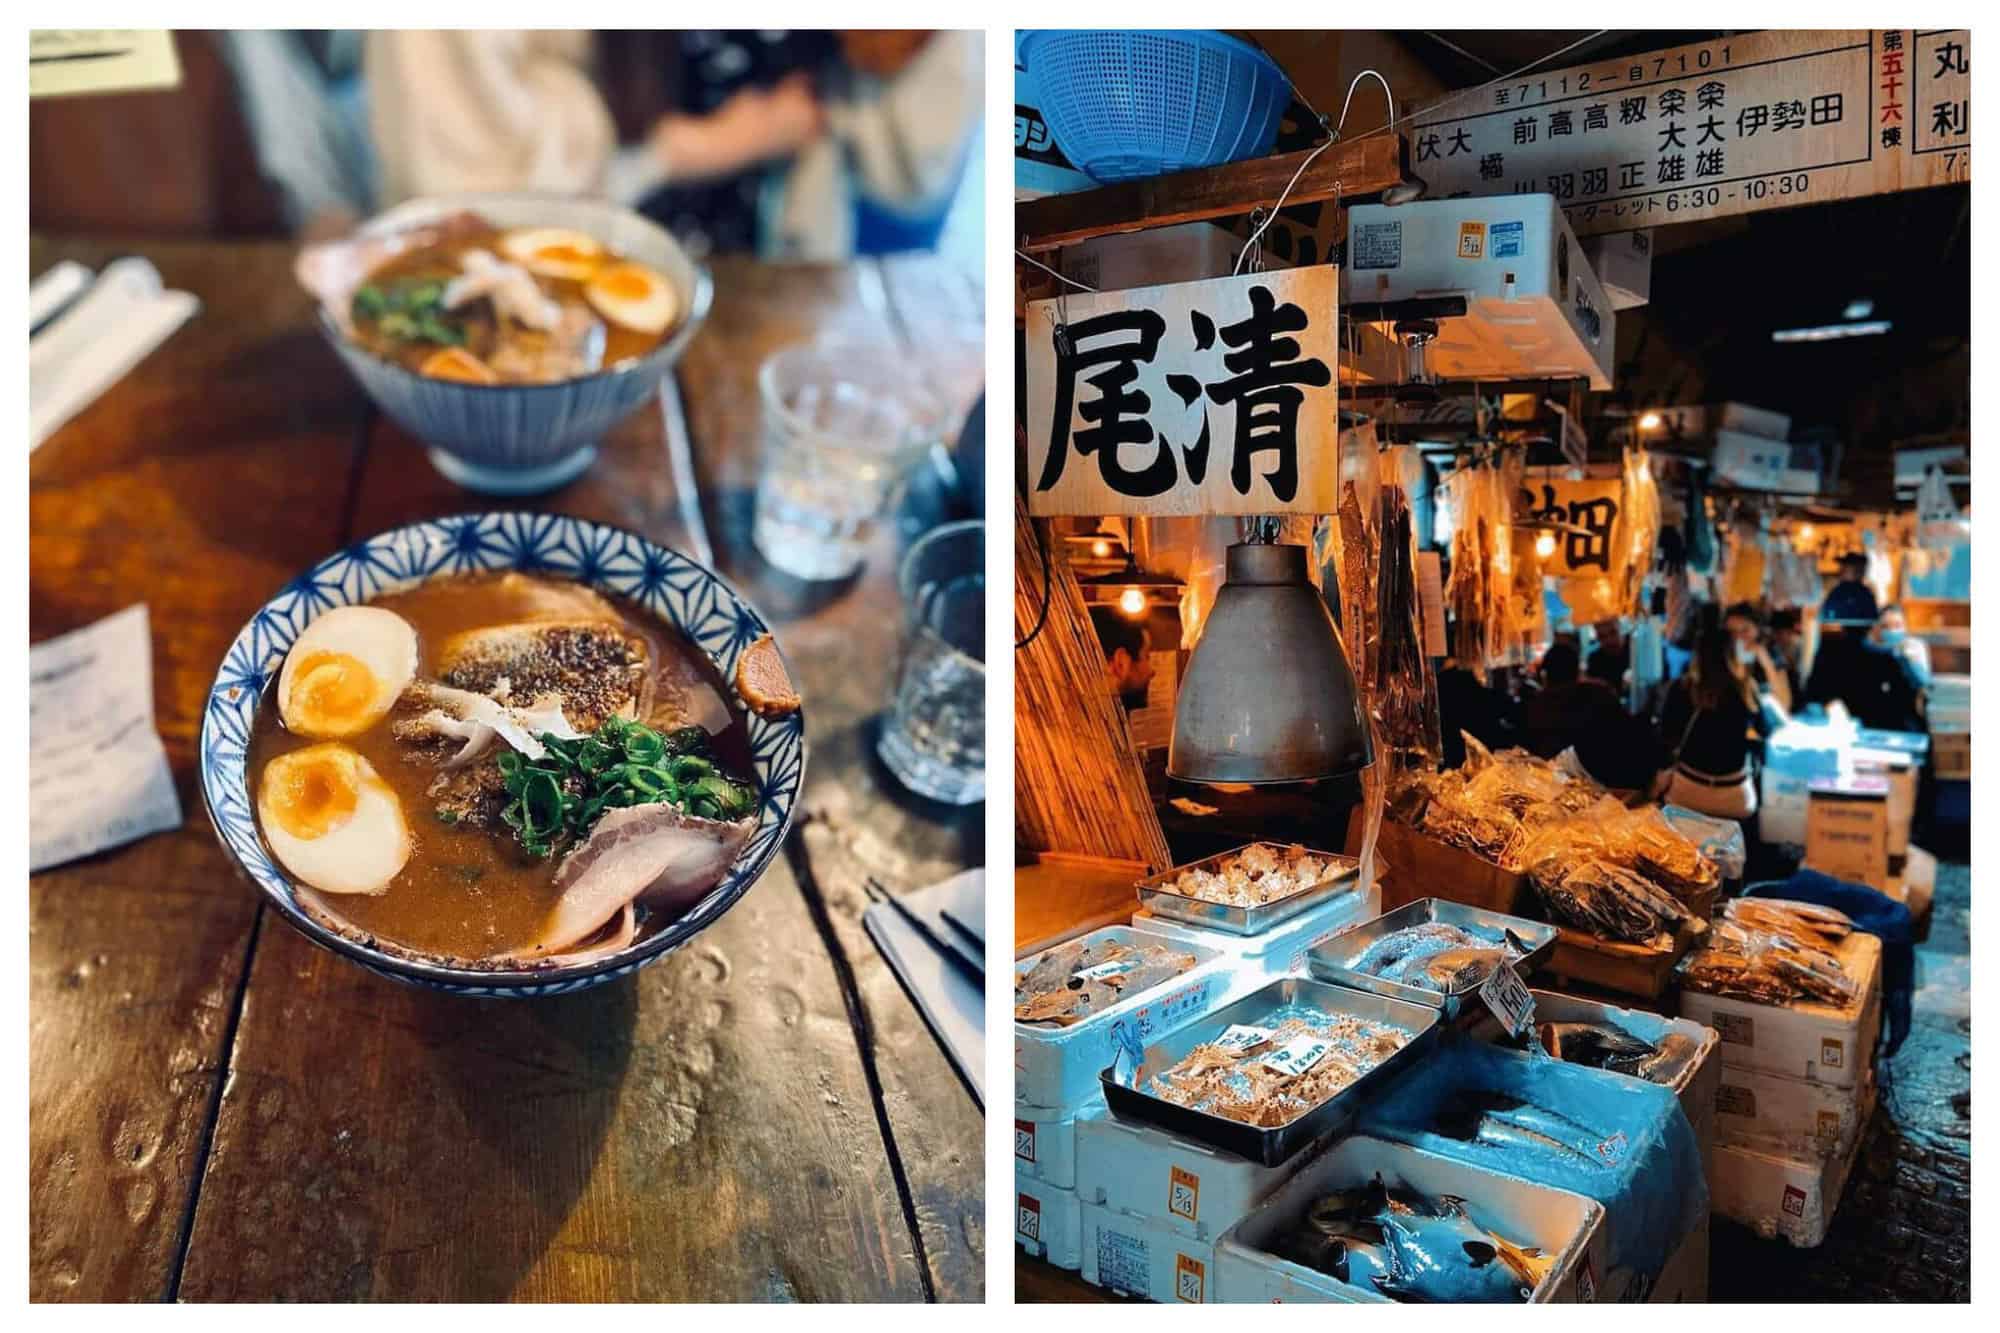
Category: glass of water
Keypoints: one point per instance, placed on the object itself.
(934, 735)
(843, 423)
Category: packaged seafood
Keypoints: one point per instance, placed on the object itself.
(1793, 1117)
(1282, 948)
(1621, 1141)
(1777, 1195)
(1048, 1223)
(1056, 1067)
(1269, 1074)
(1249, 890)
(1045, 1142)
(1137, 1256)
(1833, 1044)
(1184, 1186)
(1488, 1232)
(1431, 952)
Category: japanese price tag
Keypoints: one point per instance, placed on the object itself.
(1507, 996)
(1298, 1055)
(1242, 1038)
(1104, 971)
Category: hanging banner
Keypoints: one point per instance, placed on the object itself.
(1749, 122)
(1213, 397)
(66, 61)
(1591, 510)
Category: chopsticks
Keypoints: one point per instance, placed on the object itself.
(878, 893)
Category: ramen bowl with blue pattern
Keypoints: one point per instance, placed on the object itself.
(684, 595)
(509, 439)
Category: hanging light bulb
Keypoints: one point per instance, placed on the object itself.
(1545, 544)
(1805, 532)
(1100, 548)
(1132, 602)
(1650, 421)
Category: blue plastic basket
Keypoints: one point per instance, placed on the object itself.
(1124, 104)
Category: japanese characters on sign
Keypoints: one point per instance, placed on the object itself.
(1763, 120)
(1213, 397)
(1589, 509)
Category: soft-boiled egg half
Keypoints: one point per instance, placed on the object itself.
(634, 297)
(346, 671)
(332, 821)
(455, 363)
(553, 252)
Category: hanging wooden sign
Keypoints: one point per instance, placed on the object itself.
(1748, 122)
(1590, 510)
(1213, 397)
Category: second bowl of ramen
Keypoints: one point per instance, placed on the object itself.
(509, 333)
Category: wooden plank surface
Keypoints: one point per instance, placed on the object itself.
(135, 955)
(709, 1129)
(1363, 166)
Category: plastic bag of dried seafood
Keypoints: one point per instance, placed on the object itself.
(1773, 967)
(1720, 840)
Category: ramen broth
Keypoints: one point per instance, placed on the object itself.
(469, 893)
(482, 329)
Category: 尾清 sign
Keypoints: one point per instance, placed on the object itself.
(1212, 397)
(1754, 121)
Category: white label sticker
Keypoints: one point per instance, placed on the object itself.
(1105, 970)
(1242, 1038)
(1298, 1055)
(1508, 998)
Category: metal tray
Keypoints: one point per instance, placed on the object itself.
(1156, 898)
(1329, 961)
(1123, 1083)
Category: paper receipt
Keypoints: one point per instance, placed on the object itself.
(97, 773)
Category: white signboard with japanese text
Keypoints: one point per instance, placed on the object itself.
(1754, 121)
(1212, 397)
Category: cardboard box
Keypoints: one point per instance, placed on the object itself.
(1184, 1186)
(1787, 1117)
(1847, 828)
(1282, 949)
(1834, 1044)
(1915, 886)
(1567, 1226)
(1045, 1143)
(1900, 770)
(1048, 1223)
(1422, 867)
(1624, 264)
(1778, 1196)
(1953, 750)
(1136, 1256)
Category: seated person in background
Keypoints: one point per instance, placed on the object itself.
(1567, 707)
(1128, 654)
(1870, 677)
(1467, 705)
(1891, 635)
(1741, 622)
(1850, 601)
(1611, 658)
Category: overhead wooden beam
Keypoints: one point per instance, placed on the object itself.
(1366, 166)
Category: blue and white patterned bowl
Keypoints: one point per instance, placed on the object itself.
(521, 439)
(686, 595)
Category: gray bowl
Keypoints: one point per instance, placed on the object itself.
(520, 439)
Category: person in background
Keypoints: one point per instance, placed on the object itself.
(1469, 706)
(1706, 726)
(1567, 706)
(1850, 601)
(1741, 622)
(1891, 635)
(1128, 654)
(1788, 647)
(1612, 656)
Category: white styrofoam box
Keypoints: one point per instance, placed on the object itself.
(1136, 1256)
(1790, 1117)
(1757, 463)
(1834, 1044)
(1624, 264)
(1783, 803)
(1186, 1186)
(1535, 308)
(1045, 1142)
(1683, 1280)
(1775, 1195)
(1694, 1082)
(1048, 1223)
(1567, 1226)
(1282, 949)
(1188, 252)
(1057, 1068)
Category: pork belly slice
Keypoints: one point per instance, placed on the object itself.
(592, 668)
(656, 855)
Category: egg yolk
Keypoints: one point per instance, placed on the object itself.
(314, 791)
(333, 694)
(565, 254)
(624, 284)
(455, 363)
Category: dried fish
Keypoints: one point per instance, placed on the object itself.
(1263, 1086)
(1076, 981)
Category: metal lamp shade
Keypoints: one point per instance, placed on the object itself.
(1268, 696)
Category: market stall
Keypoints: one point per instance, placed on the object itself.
(1401, 667)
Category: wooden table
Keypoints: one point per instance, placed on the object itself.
(220, 1110)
